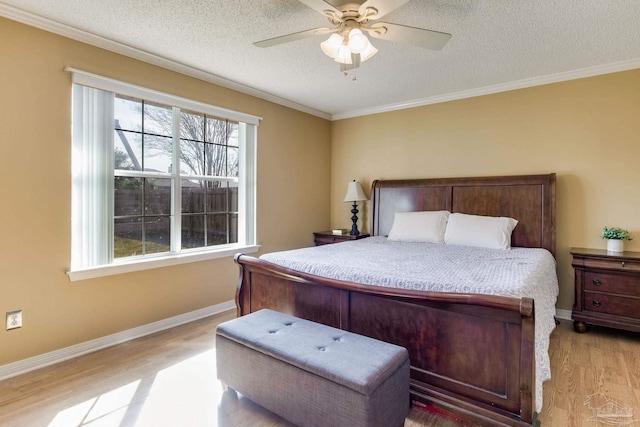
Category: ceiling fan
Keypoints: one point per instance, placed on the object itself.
(348, 44)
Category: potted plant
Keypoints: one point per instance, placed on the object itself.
(615, 238)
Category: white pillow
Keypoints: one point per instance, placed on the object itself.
(482, 231)
(423, 226)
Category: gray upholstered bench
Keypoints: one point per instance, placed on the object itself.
(312, 374)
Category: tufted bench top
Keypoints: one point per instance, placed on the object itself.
(354, 361)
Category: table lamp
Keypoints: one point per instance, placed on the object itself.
(354, 194)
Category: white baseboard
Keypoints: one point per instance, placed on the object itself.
(563, 314)
(56, 356)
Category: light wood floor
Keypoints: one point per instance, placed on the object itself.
(169, 379)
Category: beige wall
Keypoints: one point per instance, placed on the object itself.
(584, 130)
(35, 107)
(587, 131)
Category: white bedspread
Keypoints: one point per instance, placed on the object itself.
(519, 272)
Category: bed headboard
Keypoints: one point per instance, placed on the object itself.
(531, 199)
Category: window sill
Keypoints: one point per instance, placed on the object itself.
(157, 262)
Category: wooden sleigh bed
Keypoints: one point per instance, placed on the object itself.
(471, 355)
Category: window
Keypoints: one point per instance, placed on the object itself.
(157, 179)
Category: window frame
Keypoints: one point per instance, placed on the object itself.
(246, 186)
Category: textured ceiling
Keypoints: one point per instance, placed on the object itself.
(495, 43)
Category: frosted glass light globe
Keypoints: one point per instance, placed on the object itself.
(357, 41)
(331, 45)
(344, 55)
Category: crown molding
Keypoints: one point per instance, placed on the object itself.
(504, 87)
(31, 19)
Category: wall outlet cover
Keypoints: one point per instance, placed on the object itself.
(14, 319)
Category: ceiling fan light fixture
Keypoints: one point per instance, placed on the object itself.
(342, 48)
(331, 45)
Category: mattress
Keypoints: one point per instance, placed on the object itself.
(518, 272)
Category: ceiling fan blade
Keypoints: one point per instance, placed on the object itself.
(401, 33)
(293, 37)
(322, 7)
(382, 6)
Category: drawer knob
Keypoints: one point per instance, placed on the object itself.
(597, 282)
(597, 303)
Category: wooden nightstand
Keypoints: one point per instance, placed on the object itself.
(607, 289)
(327, 237)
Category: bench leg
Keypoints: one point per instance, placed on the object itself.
(227, 389)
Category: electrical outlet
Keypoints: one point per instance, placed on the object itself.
(14, 319)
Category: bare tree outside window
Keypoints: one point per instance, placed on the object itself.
(208, 146)
(208, 163)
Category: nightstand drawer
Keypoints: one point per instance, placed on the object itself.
(617, 305)
(325, 240)
(612, 264)
(612, 283)
(327, 237)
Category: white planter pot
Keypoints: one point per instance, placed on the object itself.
(615, 245)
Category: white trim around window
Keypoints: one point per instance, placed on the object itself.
(92, 186)
(99, 82)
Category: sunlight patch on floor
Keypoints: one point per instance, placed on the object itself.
(108, 409)
(186, 393)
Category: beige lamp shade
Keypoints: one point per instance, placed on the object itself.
(354, 192)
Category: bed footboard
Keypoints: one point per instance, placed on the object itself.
(472, 355)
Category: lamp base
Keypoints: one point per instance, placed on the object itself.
(354, 218)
